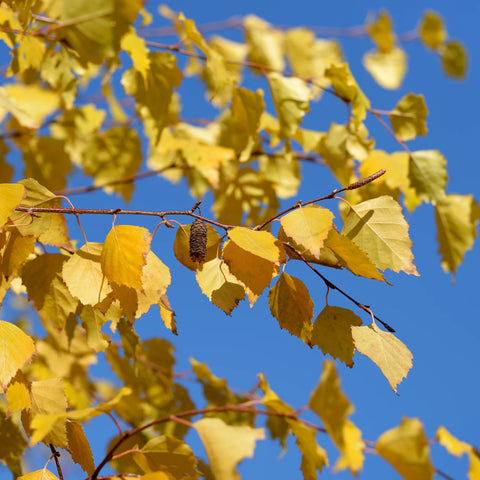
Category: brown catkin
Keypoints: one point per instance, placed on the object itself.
(198, 240)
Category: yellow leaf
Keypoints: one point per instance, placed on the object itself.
(259, 243)
(29, 104)
(451, 443)
(406, 448)
(43, 474)
(124, 254)
(377, 226)
(16, 349)
(79, 447)
(385, 350)
(408, 117)
(456, 218)
(11, 195)
(18, 395)
(16, 252)
(291, 304)
(283, 172)
(167, 314)
(227, 445)
(346, 87)
(291, 99)
(350, 256)
(454, 59)
(432, 30)
(428, 174)
(333, 407)
(83, 275)
(332, 333)
(137, 49)
(308, 227)
(219, 285)
(387, 68)
(381, 32)
(93, 320)
(265, 43)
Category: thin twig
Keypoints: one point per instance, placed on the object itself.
(329, 284)
(55, 455)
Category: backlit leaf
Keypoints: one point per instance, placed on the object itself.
(11, 195)
(291, 304)
(381, 32)
(308, 227)
(18, 395)
(432, 30)
(135, 46)
(259, 243)
(377, 226)
(43, 474)
(16, 349)
(291, 99)
(219, 285)
(456, 218)
(332, 333)
(387, 68)
(408, 117)
(454, 59)
(392, 357)
(124, 254)
(227, 445)
(82, 273)
(333, 407)
(428, 174)
(79, 447)
(406, 448)
(93, 320)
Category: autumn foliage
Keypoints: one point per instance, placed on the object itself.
(247, 160)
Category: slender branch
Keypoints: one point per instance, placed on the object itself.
(329, 284)
(352, 186)
(376, 114)
(55, 455)
(119, 211)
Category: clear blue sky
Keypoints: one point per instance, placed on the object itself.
(437, 320)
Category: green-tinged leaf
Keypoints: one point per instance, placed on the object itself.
(43, 474)
(333, 407)
(291, 304)
(406, 448)
(350, 256)
(387, 68)
(456, 218)
(392, 357)
(346, 87)
(83, 275)
(240, 128)
(16, 252)
(79, 447)
(167, 454)
(283, 171)
(381, 32)
(291, 99)
(219, 285)
(16, 349)
(154, 94)
(377, 226)
(227, 445)
(93, 320)
(124, 255)
(94, 29)
(265, 43)
(181, 246)
(308, 227)
(332, 333)
(432, 31)
(408, 117)
(454, 59)
(12, 440)
(11, 195)
(48, 400)
(428, 174)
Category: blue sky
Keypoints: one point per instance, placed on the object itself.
(437, 320)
